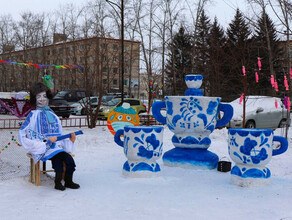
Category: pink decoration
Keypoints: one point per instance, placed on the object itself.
(241, 98)
(25, 108)
(290, 73)
(243, 70)
(272, 81)
(286, 83)
(257, 77)
(276, 86)
(276, 103)
(285, 102)
(259, 64)
(289, 103)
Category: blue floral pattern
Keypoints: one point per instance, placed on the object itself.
(148, 147)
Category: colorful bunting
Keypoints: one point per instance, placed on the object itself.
(9, 144)
(42, 66)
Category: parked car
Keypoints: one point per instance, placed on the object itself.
(261, 112)
(78, 108)
(110, 96)
(106, 108)
(61, 107)
(71, 96)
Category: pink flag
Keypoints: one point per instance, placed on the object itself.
(243, 70)
(276, 103)
(276, 86)
(286, 83)
(241, 98)
(290, 73)
(257, 77)
(272, 81)
(259, 64)
(289, 103)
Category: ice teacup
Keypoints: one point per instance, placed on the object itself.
(142, 147)
(252, 150)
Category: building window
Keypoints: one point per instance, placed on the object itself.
(104, 58)
(103, 46)
(104, 81)
(115, 60)
(48, 52)
(115, 82)
(115, 70)
(126, 82)
(104, 70)
(115, 47)
(82, 47)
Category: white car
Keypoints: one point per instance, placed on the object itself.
(261, 112)
(78, 108)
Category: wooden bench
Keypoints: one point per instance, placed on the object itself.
(35, 170)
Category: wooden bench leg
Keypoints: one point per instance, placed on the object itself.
(31, 171)
(38, 174)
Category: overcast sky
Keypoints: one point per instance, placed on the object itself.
(223, 9)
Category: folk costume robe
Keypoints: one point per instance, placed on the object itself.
(33, 134)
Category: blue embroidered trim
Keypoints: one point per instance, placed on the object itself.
(52, 154)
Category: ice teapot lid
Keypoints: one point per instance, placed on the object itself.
(194, 82)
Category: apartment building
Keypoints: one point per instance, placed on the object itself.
(99, 57)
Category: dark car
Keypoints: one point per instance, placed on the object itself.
(71, 96)
(61, 107)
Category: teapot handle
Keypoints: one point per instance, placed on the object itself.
(228, 114)
(156, 111)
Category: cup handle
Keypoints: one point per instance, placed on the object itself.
(117, 137)
(284, 145)
(156, 111)
(228, 114)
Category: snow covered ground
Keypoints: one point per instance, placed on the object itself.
(176, 194)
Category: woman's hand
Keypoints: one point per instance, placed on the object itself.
(53, 139)
(73, 137)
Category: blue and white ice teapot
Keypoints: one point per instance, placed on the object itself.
(192, 118)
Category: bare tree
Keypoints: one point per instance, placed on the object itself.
(7, 45)
(145, 28)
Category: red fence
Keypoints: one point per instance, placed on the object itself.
(72, 122)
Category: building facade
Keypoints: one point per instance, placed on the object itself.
(100, 59)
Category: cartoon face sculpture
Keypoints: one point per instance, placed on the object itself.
(121, 116)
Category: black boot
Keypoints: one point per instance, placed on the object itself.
(69, 183)
(58, 179)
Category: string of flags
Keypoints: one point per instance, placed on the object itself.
(42, 65)
(13, 139)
